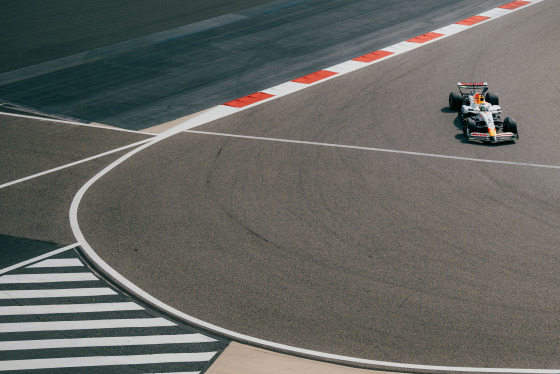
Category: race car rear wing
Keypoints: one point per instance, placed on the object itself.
(472, 87)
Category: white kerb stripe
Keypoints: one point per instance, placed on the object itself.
(67, 292)
(74, 362)
(47, 278)
(96, 324)
(104, 342)
(57, 263)
(67, 308)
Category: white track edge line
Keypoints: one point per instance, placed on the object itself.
(356, 147)
(114, 275)
(76, 123)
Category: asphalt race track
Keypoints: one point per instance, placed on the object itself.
(351, 217)
(378, 255)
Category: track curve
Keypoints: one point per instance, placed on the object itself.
(360, 253)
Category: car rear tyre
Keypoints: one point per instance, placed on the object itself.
(455, 101)
(492, 98)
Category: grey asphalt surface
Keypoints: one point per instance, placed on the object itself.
(375, 255)
(38, 208)
(146, 86)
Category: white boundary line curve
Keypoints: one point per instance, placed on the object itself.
(213, 114)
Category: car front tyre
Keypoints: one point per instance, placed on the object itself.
(455, 101)
(469, 128)
(510, 125)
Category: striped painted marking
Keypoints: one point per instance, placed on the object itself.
(85, 325)
(49, 293)
(57, 263)
(67, 308)
(104, 342)
(47, 278)
(38, 258)
(75, 362)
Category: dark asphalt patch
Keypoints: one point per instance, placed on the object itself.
(14, 250)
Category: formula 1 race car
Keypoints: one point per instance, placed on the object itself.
(481, 114)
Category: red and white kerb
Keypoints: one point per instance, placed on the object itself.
(367, 59)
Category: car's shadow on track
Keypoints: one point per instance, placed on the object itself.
(459, 124)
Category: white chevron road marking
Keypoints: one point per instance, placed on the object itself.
(67, 308)
(74, 362)
(57, 263)
(47, 278)
(48, 293)
(103, 342)
(84, 324)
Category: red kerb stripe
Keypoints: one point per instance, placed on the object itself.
(373, 56)
(514, 5)
(314, 77)
(249, 99)
(425, 37)
(472, 20)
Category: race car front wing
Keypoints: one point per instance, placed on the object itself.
(500, 137)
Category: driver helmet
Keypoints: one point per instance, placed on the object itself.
(479, 99)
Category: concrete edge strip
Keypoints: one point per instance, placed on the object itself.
(221, 111)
